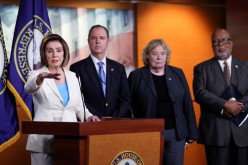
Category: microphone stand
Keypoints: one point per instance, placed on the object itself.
(130, 109)
(79, 81)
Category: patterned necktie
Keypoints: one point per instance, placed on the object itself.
(227, 73)
(102, 77)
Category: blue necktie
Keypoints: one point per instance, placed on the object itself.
(102, 77)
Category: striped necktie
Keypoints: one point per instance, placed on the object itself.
(227, 73)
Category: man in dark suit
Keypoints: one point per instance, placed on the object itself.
(103, 81)
(225, 143)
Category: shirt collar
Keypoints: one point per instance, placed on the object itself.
(95, 61)
(229, 61)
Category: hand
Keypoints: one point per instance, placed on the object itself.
(93, 118)
(188, 142)
(226, 114)
(53, 75)
(232, 108)
(44, 75)
(186, 146)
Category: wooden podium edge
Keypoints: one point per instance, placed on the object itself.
(93, 128)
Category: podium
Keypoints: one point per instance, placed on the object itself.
(107, 142)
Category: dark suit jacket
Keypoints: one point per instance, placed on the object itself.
(208, 85)
(144, 98)
(117, 90)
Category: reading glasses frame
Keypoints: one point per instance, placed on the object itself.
(222, 41)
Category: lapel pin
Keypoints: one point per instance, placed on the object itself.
(112, 69)
(236, 66)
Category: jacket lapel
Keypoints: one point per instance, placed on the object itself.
(235, 71)
(218, 74)
(170, 79)
(70, 85)
(147, 76)
(109, 76)
(93, 75)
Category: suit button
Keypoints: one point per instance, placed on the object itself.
(106, 104)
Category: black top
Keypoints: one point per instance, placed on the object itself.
(164, 104)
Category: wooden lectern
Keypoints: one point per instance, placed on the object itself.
(99, 143)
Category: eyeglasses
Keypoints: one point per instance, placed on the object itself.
(221, 41)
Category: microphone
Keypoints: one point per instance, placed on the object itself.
(130, 109)
(79, 81)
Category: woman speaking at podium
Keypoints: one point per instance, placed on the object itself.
(56, 96)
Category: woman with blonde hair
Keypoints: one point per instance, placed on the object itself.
(159, 90)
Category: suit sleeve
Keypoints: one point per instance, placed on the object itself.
(189, 111)
(124, 93)
(202, 95)
(30, 86)
(131, 88)
(243, 83)
(133, 85)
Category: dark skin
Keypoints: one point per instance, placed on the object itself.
(232, 108)
(222, 51)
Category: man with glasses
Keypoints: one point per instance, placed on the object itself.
(225, 142)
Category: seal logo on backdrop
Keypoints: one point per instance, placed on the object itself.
(26, 47)
(127, 158)
(3, 64)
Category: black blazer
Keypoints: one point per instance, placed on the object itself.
(117, 90)
(144, 99)
(208, 85)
